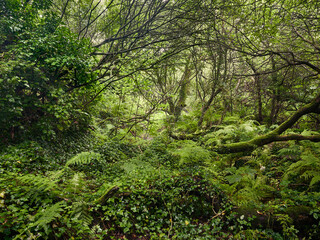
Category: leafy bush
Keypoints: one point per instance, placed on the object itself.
(41, 67)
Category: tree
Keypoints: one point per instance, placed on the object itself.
(288, 38)
(284, 52)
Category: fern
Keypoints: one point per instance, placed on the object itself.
(315, 179)
(136, 167)
(290, 152)
(75, 187)
(80, 212)
(39, 182)
(37, 187)
(232, 119)
(247, 187)
(246, 195)
(308, 169)
(106, 191)
(76, 182)
(190, 153)
(46, 216)
(234, 133)
(308, 133)
(43, 219)
(226, 131)
(248, 126)
(83, 158)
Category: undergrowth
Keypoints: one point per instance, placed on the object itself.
(163, 189)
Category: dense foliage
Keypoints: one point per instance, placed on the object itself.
(184, 119)
(159, 190)
(41, 63)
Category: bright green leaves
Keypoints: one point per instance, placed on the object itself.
(83, 158)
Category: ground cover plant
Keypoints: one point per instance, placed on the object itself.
(185, 119)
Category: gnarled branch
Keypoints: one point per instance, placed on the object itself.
(275, 135)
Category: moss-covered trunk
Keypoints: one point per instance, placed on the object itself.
(275, 135)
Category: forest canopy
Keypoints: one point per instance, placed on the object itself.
(117, 113)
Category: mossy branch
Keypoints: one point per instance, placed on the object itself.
(275, 135)
(107, 194)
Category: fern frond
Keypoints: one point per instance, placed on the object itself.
(46, 216)
(314, 180)
(310, 158)
(190, 153)
(248, 126)
(309, 174)
(262, 188)
(246, 195)
(308, 168)
(290, 151)
(308, 133)
(308, 162)
(56, 175)
(76, 182)
(39, 182)
(80, 212)
(83, 158)
(227, 130)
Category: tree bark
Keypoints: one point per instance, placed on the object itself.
(176, 108)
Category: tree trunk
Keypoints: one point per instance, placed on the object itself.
(258, 91)
(215, 90)
(207, 105)
(181, 102)
(275, 95)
